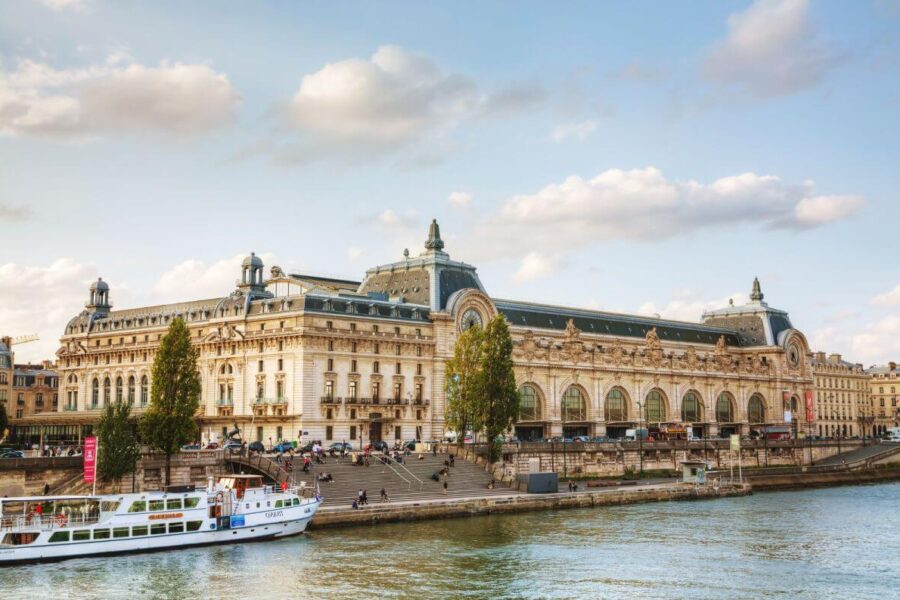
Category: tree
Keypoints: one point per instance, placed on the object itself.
(498, 396)
(169, 422)
(463, 381)
(4, 421)
(119, 449)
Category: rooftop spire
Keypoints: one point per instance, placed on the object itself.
(756, 295)
(434, 241)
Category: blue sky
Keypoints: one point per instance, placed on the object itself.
(645, 157)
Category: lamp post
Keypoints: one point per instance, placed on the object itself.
(640, 436)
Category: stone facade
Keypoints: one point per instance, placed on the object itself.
(884, 382)
(843, 405)
(303, 357)
(6, 376)
(34, 391)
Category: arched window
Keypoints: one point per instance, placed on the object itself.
(655, 407)
(756, 409)
(131, 389)
(144, 391)
(95, 393)
(690, 408)
(616, 407)
(529, 409)
(573, 405)
(118, 389)
(106, 391)
(724, 408)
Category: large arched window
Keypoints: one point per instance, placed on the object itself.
(106, 391)
(131, 389)
(529, 406)
(118, 389)
(690, 408)
(655, 407)
(573, 405)
(95, 393)
(724, 408)
(145, 396)
(756, 409)
(616, 406)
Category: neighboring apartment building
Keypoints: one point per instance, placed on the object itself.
(298, 356)
(843, 405)
(35, 391)
(884, 383)
(6, 375)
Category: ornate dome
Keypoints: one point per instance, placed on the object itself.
(99, 285)
(252, 261)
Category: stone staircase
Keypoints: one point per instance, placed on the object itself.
(465, 480)
(861, 457)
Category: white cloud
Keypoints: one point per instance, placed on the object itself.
(42, 300)
(195, 279)
(888, 299)
(688, 306)
(13, 213)
(873, 343)
(363, 108)
(460, 200)
(354, 253)
(537, 266)
(60, 5)
(391, 220)
(174, 99)
(642, 204)
(772, 49)
(578, 131)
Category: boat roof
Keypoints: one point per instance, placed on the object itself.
(240, 476)
(48, 498)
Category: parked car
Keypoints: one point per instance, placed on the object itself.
(337, 447)
(12, 454)
(581, 438)
(232, 445)
(283, 447)
(307, 447)
(599, 439)
(410, 444)
(257, 447)
(191, 447)
(211, 446)
(380, 445)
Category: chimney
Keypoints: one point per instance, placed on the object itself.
(820, 357)
(892, 365)
(835, 358)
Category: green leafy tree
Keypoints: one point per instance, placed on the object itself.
(169, 422)
(498, 403)
(119, 449)
(462, 382)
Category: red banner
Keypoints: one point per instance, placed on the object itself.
(809, 407)
(90, 459)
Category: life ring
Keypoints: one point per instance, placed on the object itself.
(61, 520)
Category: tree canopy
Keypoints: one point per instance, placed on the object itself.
(119, 449)
(169, 422)
(462, 382)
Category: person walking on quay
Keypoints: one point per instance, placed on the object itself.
(365, 497)
(452, 460)
(445, 487)
(384, 496)
(434, 449)
(359, 497)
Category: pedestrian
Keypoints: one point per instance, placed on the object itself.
(359, 497)
(434, 449)
(355, 505)
(365, 497)
(452, 460)
(46, 489)
(445, 487)
(384, 496)
(284, 485)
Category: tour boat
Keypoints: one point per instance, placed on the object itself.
(237, 508)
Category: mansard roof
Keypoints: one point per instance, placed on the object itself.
(544, 316)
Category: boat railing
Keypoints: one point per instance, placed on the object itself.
(45, 522)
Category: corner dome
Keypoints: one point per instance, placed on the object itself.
(252, 261)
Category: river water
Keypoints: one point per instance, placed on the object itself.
(825, 543)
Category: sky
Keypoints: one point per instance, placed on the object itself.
(646, 157)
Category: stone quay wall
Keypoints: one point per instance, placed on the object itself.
(27, 476)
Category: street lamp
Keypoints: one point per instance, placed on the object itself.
(640, 436)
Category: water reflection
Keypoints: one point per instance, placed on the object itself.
(830, 543)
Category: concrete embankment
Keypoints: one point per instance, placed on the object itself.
(515, 503)
(803, 478)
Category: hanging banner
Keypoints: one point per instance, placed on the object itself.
(809, 406)
(90, 459)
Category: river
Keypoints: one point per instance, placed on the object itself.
(825, 543)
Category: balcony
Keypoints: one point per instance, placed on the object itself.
(68, 408)
(330, 400)
(421, 402)
(225, 402)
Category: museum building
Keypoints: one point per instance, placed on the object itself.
(301, 357)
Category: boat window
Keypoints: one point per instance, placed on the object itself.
(257, 505)
(138, 506)
(109, 506)
(81, 534)
(59, 536)
(101, 534)
(176, 527)
(157, 505)
(157, 529)
(191, 502)
(278, 503)
(194, 525)
(139, 530)
(296, 501)
(173, 504)
(120, 532)
(268, 504)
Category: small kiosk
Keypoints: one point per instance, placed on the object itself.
(693, 471)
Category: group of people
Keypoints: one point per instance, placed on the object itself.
(47, 450)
